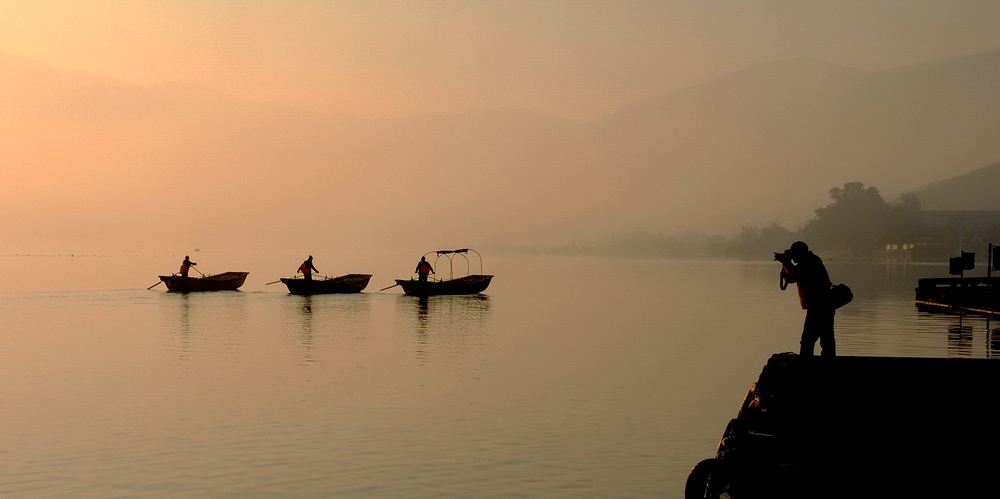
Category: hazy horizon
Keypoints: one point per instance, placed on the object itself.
(575, 60)
(174, 125)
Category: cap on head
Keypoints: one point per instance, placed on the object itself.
(798, 248)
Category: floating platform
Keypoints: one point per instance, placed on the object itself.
(860, 427)
(980, 295)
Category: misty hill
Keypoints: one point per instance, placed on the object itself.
(168, 163)
(770, 141)
(976, 190)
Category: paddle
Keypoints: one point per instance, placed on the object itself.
(272, 282)
(155, 285)
(198, 271)
(393, 286)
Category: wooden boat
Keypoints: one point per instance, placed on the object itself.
(466, 285)
(347, 283)
(226, 281)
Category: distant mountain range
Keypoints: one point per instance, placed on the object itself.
(764, 144)
(976, 190)
(781, 135)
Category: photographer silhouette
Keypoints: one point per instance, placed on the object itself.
(803, 267)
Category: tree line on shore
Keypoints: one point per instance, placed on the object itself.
(858, 224)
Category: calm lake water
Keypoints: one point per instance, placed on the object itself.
(570, 377)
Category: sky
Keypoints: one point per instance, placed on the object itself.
(381, 61)
(573, 59)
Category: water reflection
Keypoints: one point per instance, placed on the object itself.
(184, 315)
(211, 320)
(451, 313)
(447, 325)
(964, 339)
(493, 392)
(968, 335)
(184, 328)
(305, 321)
(994, 342)
(422, 303)
(326, 319)
(304, 315)
(960, 340)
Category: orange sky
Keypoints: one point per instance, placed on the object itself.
(576, 59)
(117, 175)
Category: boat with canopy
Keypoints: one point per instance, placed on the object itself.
(465, 285)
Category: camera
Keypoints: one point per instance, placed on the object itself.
(782, 257)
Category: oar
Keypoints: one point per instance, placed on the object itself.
(393, 286)
(198, 271)
(272, 282)
(155, 285)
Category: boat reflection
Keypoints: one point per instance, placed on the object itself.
(305, 312)
(970, 336)
(208, 321)
(305, 336)
(446, 324)
(422, 310)
(451, 313)
(324, 319)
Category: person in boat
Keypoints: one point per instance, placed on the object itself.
(423, 268)
(806, 270)
(307, 268)
(186, 265)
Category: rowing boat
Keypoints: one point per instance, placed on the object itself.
(468, 284)
(347, 283)
(226, 281)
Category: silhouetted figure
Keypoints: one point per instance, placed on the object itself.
(423, 268)
(307, 268)
(806, 270)
(186, 266)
